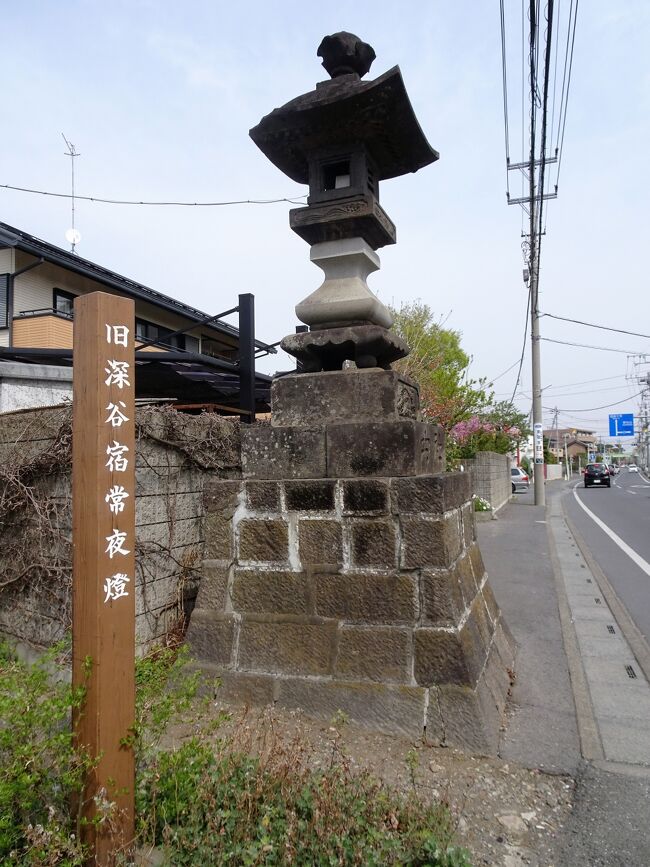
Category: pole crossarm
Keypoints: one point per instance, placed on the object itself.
(525, 200)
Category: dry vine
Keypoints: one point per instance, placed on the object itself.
(209, 441)
(35, 523)
(36, 519)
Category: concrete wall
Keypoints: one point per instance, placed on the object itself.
(554, 472)
(490, 477)
(36, 609)
(24, 386)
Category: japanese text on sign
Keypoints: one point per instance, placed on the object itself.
(117, 375)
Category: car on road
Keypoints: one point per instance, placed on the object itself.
(597, 474)
(519, 479)
(632, 468)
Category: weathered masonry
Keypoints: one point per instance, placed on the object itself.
(344, 571)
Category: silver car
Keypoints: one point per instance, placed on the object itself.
(519, 479)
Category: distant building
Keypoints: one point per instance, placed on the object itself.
(38, 285)
(577, 441)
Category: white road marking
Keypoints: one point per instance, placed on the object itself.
(631, 553)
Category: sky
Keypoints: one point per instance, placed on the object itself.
(158, 98)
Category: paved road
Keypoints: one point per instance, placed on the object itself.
(624, 509)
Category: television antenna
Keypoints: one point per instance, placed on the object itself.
(72, 236)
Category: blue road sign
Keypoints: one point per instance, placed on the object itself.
(621, 424)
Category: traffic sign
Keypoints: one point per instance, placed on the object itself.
(621, 424)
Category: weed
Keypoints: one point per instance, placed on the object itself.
(237, 800)
(39, 770)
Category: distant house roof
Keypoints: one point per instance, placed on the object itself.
(11, 237)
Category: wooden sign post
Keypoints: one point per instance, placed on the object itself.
(103, 592)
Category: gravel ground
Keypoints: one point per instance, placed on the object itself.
(505, 814)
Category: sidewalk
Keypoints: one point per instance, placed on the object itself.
(542, 730)
(532, 558)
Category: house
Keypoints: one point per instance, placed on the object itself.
(186, 355)
(577, 441)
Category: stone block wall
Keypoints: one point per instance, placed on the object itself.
(490, 474)
(170, 476)
(366, 595)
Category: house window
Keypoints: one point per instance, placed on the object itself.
(146, 331)
(4, 300)
(63, 302)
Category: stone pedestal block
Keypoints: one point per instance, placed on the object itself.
(343, 450)
(343, 396)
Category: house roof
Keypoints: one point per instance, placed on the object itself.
(186, 377)
(19, 240)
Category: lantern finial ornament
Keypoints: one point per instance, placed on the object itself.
(344, 53)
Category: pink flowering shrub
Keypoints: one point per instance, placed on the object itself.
(477, 435)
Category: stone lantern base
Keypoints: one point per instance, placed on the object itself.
(344, 572)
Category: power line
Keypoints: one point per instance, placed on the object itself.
(594, 408)
(591, 391)
(550, 388)
(492, 381)
(562, 120)
(504, 78)
(557, 34)
(591, 325)
(588, 346)
(292, 201)
(589, 381)
(523, 348)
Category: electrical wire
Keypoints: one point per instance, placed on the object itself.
(588, 346)
(492, 381)
(293, 200)
(523, 349)
(589, 381)
(554, 101)
(551, 389)
(504, 78)
(562, 394)
(566, 98)
(591, 325)
(594, 408)
(542, 149)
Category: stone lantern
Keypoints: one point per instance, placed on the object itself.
(344, 138)
(342, 568)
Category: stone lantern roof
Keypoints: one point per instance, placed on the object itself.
(345, 110)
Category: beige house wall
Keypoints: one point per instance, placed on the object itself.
(43, 332)
(34, 290)
(6, 261)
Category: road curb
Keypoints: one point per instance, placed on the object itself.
(590, 743)
(631, 632)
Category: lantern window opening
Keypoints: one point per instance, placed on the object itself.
(337, 176)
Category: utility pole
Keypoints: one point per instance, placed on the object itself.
(644, 433)
(540, 493)
(533, 205)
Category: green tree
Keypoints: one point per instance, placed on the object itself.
(505, 416)
(439, 365)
